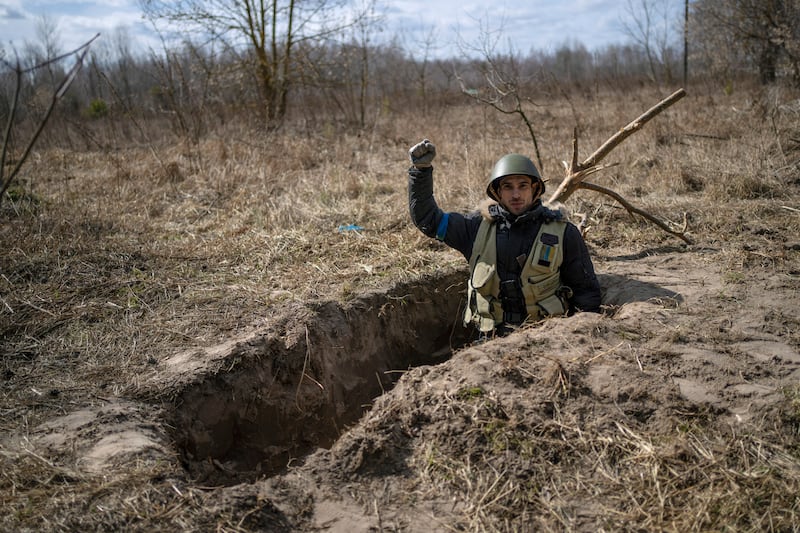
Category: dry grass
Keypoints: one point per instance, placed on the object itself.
(690, 481)
(552, 466)
(113, 261)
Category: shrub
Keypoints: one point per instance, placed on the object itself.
(98, 108)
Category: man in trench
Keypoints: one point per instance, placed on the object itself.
(526, 262)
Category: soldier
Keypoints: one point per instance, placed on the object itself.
(526, 261)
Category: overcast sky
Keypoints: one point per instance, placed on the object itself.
(526, 24)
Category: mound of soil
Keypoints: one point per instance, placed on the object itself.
(666, 411)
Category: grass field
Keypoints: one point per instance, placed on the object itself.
(151, 296)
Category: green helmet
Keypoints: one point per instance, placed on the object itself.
(513, 164)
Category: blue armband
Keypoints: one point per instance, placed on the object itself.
(441, 231)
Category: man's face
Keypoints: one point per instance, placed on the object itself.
(516, 193)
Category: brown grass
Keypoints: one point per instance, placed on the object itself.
(111, 262)
(584, 474)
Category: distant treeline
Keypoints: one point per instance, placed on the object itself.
(272, 72)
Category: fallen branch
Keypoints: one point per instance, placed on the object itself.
(635, 210)
(576, 172)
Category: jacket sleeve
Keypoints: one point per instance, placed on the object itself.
(577, 272)
(454, 229)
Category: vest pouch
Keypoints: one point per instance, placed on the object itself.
(482, 274)
(553, 306)
(483, 308)
(539, 288)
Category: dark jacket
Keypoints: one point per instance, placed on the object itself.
(515, 236)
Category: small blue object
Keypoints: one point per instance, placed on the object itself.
(349, 227)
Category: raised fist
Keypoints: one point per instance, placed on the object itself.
(422, 154)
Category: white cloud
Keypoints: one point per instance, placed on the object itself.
(522, 24)
(76, 21)
(9, 13)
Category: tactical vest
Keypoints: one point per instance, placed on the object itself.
(540, 278)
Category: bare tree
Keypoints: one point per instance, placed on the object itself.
(185, 77)
(685, 42)
(358, 75)
(420, 52)
(60, 90)
(767, 32)
(650, 27)
(267, 31)
(48, 35)
(503, 83)
(504, 94)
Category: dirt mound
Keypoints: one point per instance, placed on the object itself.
(677, 402)
(588, 420)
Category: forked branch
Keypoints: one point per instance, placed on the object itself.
(577, 172)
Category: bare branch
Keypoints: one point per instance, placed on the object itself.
(57, 95)
(635, 210)
(577, 172)
(632, 127)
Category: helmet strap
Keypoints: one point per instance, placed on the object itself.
(538, 188)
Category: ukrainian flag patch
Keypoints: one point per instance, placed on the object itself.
(548, 251)
(545, 255)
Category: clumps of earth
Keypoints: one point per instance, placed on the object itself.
(666, 411)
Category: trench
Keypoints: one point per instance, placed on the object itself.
(288, 391)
